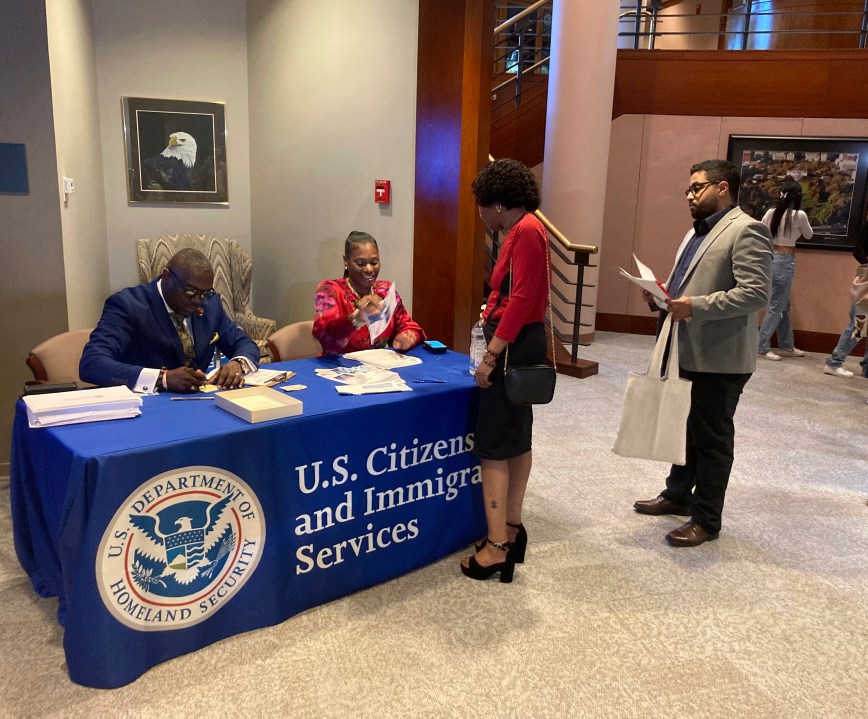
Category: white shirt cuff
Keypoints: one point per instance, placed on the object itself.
(147, 381)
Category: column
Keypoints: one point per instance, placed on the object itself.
(578, 125)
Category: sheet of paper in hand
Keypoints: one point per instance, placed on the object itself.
(378, 323)
(647, 281)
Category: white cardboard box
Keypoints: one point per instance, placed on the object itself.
(258, 404)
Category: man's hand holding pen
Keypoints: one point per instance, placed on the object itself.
(183, 379)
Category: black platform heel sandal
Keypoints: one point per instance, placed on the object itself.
(519, 544)
(506, 568)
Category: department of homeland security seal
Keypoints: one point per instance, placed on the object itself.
(179, 548)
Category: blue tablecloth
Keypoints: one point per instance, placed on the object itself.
(167, 532)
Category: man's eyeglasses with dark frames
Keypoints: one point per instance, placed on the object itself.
(697, 187)
(192, 292)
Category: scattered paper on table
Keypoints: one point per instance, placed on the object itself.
(358, 375)
(383, 358)
(380, 388)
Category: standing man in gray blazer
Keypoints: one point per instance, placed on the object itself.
(721, 279)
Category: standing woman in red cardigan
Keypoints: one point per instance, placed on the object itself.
(507, 194)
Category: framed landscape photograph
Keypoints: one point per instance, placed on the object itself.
(832, 172)
(176, 151)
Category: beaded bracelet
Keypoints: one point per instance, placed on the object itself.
(490, 364)
(489, 352)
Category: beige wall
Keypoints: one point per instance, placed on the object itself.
(332, 108)
(32, 286)
(79, 156)
(178, 50)
(646, 213)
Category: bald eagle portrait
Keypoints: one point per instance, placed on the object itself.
(172, 168)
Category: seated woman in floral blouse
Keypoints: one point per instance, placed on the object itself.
(339, 323)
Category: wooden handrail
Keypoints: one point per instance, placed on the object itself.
(564, 242)
(515, 18)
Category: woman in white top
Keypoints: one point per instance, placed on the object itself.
(788, 224)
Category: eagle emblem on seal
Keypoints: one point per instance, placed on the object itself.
(183, 543)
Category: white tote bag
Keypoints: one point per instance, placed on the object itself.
(654, 414)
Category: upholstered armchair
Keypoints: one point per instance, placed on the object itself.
(233, 271)
(295, 341)
(56, 359)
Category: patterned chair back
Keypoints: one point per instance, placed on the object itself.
(233, 274)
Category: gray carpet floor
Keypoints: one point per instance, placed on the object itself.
(603, 620)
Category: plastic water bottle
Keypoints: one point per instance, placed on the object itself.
(477, 343)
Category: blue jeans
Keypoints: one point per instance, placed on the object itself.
(845, 346)
(778, 316)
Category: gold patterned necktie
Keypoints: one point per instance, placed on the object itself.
(185, 337)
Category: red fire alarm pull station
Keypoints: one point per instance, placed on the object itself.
(382, 192)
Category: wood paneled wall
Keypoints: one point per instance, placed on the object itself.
(519, 131)
(816, 16)
(797, 83)
(453, 119)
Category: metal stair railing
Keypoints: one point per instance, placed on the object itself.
(521, 50)
(748, 25)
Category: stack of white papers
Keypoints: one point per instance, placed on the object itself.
(87, 405)
(383, 358)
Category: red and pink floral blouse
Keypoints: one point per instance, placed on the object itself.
(335, 301)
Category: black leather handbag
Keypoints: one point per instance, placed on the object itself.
(531, 384)
(534, 384)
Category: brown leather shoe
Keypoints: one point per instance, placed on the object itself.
(661, 505)
(690, 534)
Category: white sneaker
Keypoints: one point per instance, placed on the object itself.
(770, 356)
(791, 352)
(837, 371)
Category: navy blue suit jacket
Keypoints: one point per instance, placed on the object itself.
(135, 332)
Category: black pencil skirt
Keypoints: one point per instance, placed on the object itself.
(503, 430)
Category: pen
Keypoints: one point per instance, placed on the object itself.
(430, 381)
(183, 399)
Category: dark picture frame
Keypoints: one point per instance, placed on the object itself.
(163, 138)
(831, 170)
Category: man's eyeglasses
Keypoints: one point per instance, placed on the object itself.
(192, 292)
(697, 187)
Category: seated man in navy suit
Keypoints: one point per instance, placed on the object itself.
(161, 335)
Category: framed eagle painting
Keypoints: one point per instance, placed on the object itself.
(176, 151)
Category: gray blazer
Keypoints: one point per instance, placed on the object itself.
(729, 281)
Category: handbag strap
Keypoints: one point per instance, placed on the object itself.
(655, 364)
(551, 321)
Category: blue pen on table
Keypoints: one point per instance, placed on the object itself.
(430, 381)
